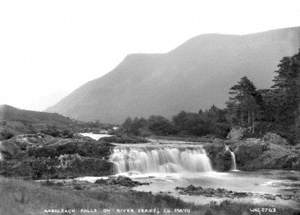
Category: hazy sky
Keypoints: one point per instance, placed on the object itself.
(49, 48)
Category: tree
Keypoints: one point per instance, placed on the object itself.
(160, 125)
(216, 114)
(134, 126)
(286, 90)
(192, 123)
(243, 104)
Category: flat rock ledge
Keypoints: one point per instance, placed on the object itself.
(223, 193)
(120, 180)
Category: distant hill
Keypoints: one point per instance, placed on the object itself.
(9, 113)
(17, 121)
(195, 75)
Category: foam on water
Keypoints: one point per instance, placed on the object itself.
(160, 159)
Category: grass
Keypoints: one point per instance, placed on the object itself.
(20, 197)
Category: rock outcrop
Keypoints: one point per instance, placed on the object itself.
(41, 156)
(219, 157)
(270, 152)
(120, 180)
(252, 155)
(223, 193)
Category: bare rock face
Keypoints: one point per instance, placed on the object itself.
(219, 157)
(236, 133)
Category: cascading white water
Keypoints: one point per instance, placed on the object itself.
(233, 165)
(160, 159)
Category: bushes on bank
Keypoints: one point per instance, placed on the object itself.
(6, 134)
(57, 132)
(211, 122)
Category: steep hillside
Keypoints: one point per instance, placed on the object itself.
(195, 75)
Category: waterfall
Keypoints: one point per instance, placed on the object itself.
(233, 160)
(160, 159)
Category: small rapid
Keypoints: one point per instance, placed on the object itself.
(160, 159)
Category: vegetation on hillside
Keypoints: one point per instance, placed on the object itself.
(259, 110)
(276, 109)
(207, 122)
(14, 121)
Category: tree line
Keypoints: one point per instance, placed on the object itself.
(258, 110)
(208, 122)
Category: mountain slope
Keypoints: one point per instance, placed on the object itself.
(9, 113)
(195, 75)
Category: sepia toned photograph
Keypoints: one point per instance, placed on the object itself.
(145, 107)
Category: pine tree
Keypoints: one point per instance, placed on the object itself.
(244, 103)
(287, 90)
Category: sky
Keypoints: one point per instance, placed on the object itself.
(50, 48)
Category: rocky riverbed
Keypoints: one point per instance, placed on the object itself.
(43, 157)
(224, 193)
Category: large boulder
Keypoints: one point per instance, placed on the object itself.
(247, 151)
(219, 157)
(274, 138)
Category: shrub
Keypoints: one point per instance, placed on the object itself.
(6, 134)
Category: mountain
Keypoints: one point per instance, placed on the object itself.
(195, 75)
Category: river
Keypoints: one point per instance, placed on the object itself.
(168, 165)
(95, 136)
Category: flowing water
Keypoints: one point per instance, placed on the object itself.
(160, 159)
(170, 165)
(233, 166)
(95, 136)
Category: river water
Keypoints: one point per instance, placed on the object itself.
(170, 165)
(95, 136)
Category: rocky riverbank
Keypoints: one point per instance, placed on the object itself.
(223, 193)
(123, 138)
(269, 152)
(40, 156)
(114, 196)
(120, 180)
